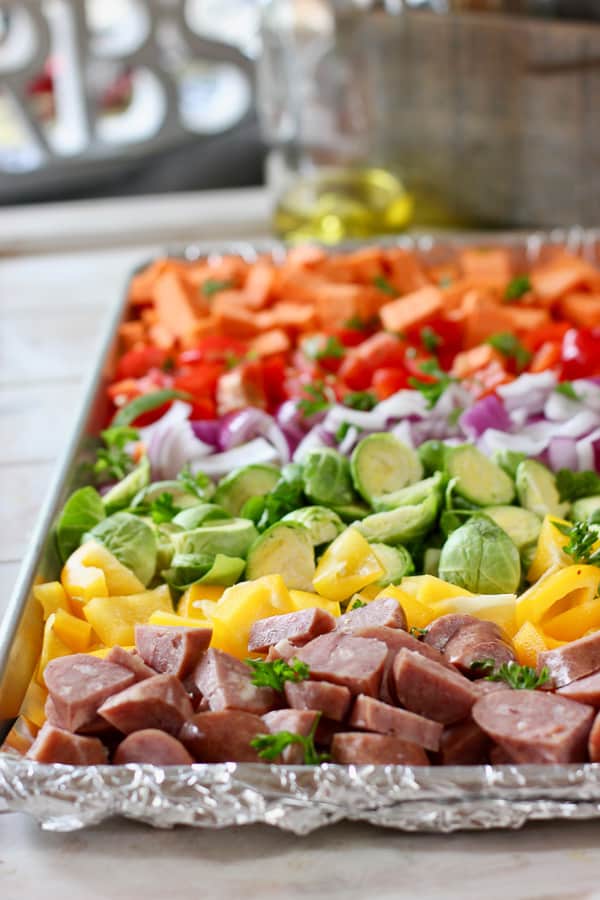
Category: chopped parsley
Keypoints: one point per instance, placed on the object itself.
(510, 347)
(270, 746)
(355, 603)
(516, 288)
(567, 390)
(432, 390)
(381, 282)
(454, 416)
(582, 538)
(430, 339)
(342, 431)
(112, 461)
(199, 484)
(275, 674)
(363, 400)
(520, 678)
(314, 400)
(212, 286)
(416, 631)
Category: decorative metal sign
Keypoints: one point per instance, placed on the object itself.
(181, 82)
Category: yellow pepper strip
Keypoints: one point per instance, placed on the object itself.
(33, 703)
(549, 552)
(172, 620)
(528, 642)
(498, 608)
(74, 632)
(189, 603)
(574, 623)
(348, 565)
(52, 648)
(307, 600)
(114, 618)
(417, 614)
(429, 590)
(241, 605)
(52, 596)
(556, 592)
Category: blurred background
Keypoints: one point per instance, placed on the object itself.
(362, 117)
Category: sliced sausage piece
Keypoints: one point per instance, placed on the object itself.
(96, 727)
(217, 737)
(55, 745)
(345, 659)
(432, 690)
(463, 744)
(298, 721)
(594, 741)
(535, 726)
(333, 700)
(443, 629)
(79, 684)
(395, 640)
(154, 747)
(351, 747)
(575, 660)
(132, 661)
(384, 612)
(171, 650)
(465, 640)
(373, 715)
(226, 683)
(585, 690)
(297, 627)
(160, 702)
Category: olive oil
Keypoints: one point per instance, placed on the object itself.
(337, 204)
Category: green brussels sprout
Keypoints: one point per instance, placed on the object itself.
(480, 557)
(131, 540)
(323, 524)
(327, 480)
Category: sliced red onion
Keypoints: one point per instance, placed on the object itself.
(291, 422)
(588, 391)
(558, 408)
(454, 397)
(579, 426)
(403, 404)
(316, 437)
(207, 430)
(349, 441)
(240, 427)
(562, 454)
(588, 451)
(492, 440)
(257, 451)
(372, 420)
(488, 412)
(528, 392)
(178, 447)
(403, 431)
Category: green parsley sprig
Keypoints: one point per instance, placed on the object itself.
(213, 286)
(314, 400)
(381, 282)
(270, 746)
(582, 538)
(112, 461)
(274, 674)
(516, 288)
(432, 390)
(567, 390)
(511, 348)
(363, 400)
(520, 678)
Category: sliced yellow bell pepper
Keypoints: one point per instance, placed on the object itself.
(549, 553)
(348, 565)
(528, 642)
(171, 619)
(556, 592)
(574, 623)
(74, 632)
(52, 648)
(498, 608)
(241, 605)
(190, 602)
(114, 618)
(93, 571)
(306, 600)
(52, 596)
(33, 703)
(429, 590)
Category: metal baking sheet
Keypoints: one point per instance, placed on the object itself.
(298, 799)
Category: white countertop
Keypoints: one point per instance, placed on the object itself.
(56, 292)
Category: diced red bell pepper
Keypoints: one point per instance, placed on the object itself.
(580, 354)
(389, 381)
(139, 360)
(382, 350)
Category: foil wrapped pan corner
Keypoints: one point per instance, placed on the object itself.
(299, 799)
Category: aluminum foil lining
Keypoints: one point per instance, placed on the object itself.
(299, 799)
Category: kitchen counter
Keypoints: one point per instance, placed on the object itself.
(61, 270)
